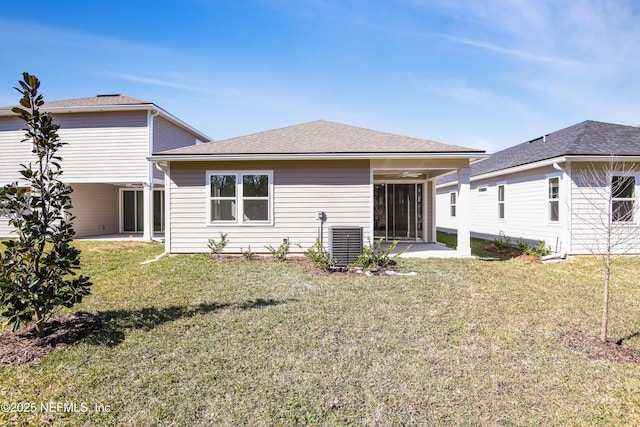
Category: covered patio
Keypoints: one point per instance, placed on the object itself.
(133, 237)
(404, 203)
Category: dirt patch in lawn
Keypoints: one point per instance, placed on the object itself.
(23, 346)
(596, 349)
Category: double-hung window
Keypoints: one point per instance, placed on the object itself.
(501, 201)
(452, 202)
(240, 197)
(554, 199)
(623, 198)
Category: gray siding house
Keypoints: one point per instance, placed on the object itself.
(109, 137)
(263, 188)
(544, 189)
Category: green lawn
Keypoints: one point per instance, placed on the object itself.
(464, 342)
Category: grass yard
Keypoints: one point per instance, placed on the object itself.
(464, 342)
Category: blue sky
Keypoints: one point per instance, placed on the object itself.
(483, 74)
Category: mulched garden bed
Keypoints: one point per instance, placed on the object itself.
(303, 262)
(515, 253)
(596, 349)
(23, 346)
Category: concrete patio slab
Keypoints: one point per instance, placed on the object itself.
(426, 250)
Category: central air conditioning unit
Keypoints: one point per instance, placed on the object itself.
(345, 244)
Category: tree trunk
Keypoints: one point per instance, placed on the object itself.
(604, 325)
(40, 321)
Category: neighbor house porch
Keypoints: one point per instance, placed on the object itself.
(106, 209)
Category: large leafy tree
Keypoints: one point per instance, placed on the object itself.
(38, 267)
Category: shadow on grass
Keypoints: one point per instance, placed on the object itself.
(117, 322)
(628, 337)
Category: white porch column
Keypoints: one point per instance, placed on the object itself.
(463, 212)
(433, 229)
(147, 191)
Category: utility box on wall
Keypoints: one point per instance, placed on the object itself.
(345, 244)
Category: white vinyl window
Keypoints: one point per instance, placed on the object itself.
(553, 199)
(623, 198)
(501, 201)
(452, 204)
(236, 197)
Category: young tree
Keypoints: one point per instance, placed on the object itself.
(37, 269)
(608, 210)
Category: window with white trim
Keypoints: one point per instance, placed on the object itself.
(452, 203)
(623, 198)
(501, 201)
(553, 201)
(239, 197)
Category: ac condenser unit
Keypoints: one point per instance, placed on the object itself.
(345, 244)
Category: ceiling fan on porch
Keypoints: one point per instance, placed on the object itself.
(405, 174)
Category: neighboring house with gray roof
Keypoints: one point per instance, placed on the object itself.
(536, 190)
(116, 189)
(271, 186)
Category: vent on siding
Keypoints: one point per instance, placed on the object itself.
(345, 244)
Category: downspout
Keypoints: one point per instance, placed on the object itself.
(567, 219)
(372, 185)
(165, 168)
(433, 224)
(148, 196)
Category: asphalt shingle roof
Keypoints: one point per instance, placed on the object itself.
(589, 138)
(91, 101)
(94, 101)
(320, 137)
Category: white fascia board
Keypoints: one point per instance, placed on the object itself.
(549, 162)
(515, 169)
(521, 168)
(603, 158)
(313, 156)
(91, 108)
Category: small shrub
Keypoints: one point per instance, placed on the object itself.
(539, 251)
(542, 249)
(523, 245)
(280, 253)
(374, 256)
(217, 247)
(248, 255)
(319, 256)
(503, 241)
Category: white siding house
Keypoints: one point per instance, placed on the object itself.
(271, 186)
(108, 139)
(539, 190)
